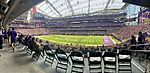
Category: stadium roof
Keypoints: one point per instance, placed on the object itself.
(63, 8)
(11, 9)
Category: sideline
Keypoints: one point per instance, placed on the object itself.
(112, 40)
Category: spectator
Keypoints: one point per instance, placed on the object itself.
(5, 37)
(133, 42)
(141, 39)
(9, 34)
(1, 39)
(46, 44)
(40, 42)
(45, 47)
(145, 34)
(37, 47)
(20, 38)
(13, 38)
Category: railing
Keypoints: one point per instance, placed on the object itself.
(141, 57)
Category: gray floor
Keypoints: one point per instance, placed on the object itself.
(20, 62)
(16, 62)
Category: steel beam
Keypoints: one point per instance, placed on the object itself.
(107, 5)
(89, 6)
(18, 8)
(50, 9)
(125, 6)
(70, 6)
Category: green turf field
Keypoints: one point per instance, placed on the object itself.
(74, 39)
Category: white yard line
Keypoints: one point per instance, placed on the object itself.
(112, 40)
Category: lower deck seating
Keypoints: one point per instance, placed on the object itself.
(126, 33)
(102, 59)
(95, 28)
(73, 59)
(33, 31)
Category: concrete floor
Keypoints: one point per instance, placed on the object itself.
(16, 62)
(20, 62)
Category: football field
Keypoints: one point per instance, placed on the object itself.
(77, 39)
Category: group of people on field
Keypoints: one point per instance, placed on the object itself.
(8, 37)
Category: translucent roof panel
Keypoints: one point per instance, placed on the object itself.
(116, 4)
(79, 6)
(46, 9)
(62, 8)
(97, 5)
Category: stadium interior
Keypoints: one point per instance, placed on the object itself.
(75, 36)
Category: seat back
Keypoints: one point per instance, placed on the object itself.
(125, 56)
(95, 54)
(46, 47)
(78, 54)
(125, 52)
(77, 58)
(109, 58)
(29, 44)
(95, 57)
(110, 62)
(109, 54)
(95, 61)
(36, 48)
(61, 55)
(48, 50)
(60, 51)
(77, 62)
